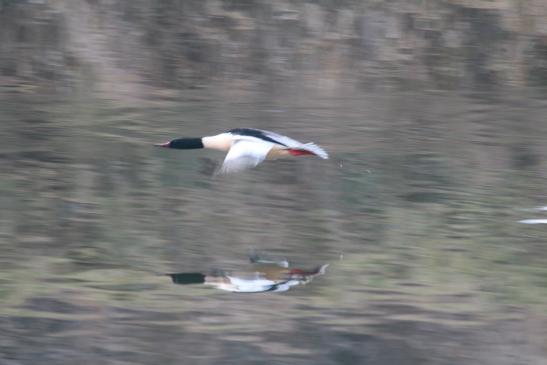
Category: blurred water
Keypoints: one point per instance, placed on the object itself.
(429, 213)
(417, 213)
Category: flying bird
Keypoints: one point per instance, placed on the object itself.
(248, 147)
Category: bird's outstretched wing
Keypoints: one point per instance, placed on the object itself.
(294, 144)
(243, 155)
(315, 149)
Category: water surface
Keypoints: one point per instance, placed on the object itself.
(417, 213)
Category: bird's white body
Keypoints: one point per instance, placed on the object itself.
(225, 141)
(221, 142)
(249, 147)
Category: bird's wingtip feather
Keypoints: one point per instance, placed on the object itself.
(318, 151)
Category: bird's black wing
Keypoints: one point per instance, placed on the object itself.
(257, 133)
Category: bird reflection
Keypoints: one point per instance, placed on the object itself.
(262, 276)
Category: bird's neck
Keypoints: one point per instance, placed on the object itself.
(222, 142)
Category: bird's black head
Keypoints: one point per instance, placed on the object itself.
(183, 143)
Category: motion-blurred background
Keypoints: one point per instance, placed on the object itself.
(430, 211)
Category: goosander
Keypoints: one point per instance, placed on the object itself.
(263, 276)
(247, 147)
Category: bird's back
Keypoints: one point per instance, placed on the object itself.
(266, 136)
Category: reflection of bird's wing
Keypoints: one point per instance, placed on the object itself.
(258, 259)
(244, 154)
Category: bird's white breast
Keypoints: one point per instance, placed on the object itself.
(221, 142)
